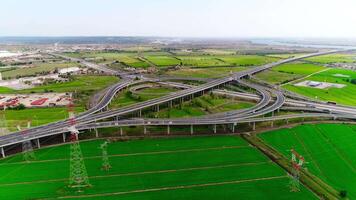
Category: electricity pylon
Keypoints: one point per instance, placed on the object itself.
(27, 149)
(297, 162)
(78, 177)
(106, 164)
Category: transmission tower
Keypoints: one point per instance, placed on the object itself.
(106, 164)
(27, 149)
(297, 162)
(78, 177)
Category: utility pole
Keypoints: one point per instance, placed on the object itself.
(106, 164)
(78, 177)
(297, 162)
(27, 149)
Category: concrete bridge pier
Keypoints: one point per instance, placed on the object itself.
(233, 128)
(170, 104)
(64, 137)
(3, 152)
(254, 126)
(191, 129)
(96, 132)
(38, 143)
(144, 130)
(168, 130)
(139, 113)
(121, 133)
(157, 108)
(272, 124)
(214, 128)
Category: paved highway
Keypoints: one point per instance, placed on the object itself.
(89, 117)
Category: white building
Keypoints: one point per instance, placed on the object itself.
(69, 70)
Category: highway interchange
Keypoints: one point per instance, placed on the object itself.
(270, 100)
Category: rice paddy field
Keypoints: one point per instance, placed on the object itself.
(345, 95)
(219, 167)
(329, 151)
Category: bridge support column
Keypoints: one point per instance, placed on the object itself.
(139, 113)
(38, 143)
(96, 132)
(287, 121)
(3, 152)
(272, 124)
(121, 133)
(170, 104)
(214, 128)
(168, 130)
(254, 126)
(157, 108)
(233, 128)
(64, 137)
(144, 130)
(191, 129)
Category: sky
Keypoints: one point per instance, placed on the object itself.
(179, 18)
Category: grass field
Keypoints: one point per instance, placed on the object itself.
(329, 150)
(126, 98)
(345, 95)
(334, 58)
(203, 105)
(220, 167)
(163, 60)
(37, 116)
(79, 83)
(288, 72)
(129, 59)
(247, 60)
(214, 72)
(36, 69)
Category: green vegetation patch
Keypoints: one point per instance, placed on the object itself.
(207, 104)
(192, 168)
(288, 72)
(41, 68)
(211, 72)
(345, 95)
(333, 58)
(163, 60)
(247, 60)
(37, 116)
(328, 149)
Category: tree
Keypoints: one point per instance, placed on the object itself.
(343, 193)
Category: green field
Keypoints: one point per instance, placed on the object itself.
(163, 60)
(329, 150)
(207, 104)
(220, 167)
(334, 58)
(130, 59)
(288, 72)
(211, 72)
(345, 95)
(36, 69)
(37, 116)
(127, 98)
(79, 84)
(247, 60)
